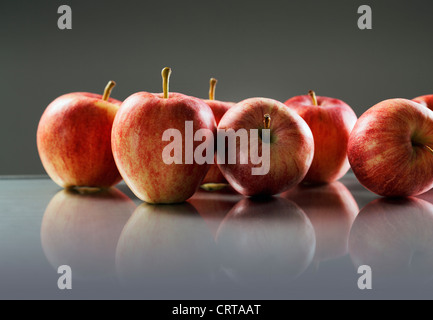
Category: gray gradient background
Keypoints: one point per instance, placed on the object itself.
(274, 49)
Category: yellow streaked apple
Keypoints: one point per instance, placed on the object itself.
(139, 146)
(74, 140)
(390, 148)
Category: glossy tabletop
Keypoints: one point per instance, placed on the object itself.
(304, 244)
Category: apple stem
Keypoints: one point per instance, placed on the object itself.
(107, 91)
(312, 94)
(165, 73)
(267, 121)
(213, 83)
(428, 148)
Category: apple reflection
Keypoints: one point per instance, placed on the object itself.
(331, 209)
(82, 229)
(165, 247)
(395, 238)
(265, 241)
(428, 196)
(214, 206)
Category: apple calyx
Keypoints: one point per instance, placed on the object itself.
(312, 94)
(165, 73)
(107, 91)
(420, 145)
(212, 86)
(85, 190)
(267, 121)
(213, 186)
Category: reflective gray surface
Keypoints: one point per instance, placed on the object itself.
(306, 243)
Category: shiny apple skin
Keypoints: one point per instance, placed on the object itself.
(331, 122)
(137, 145)
(74, 140)
(386, 148)
(291, 150)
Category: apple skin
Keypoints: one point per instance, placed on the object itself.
(395, 238)
(137, 145)
(331, 209)
(386, 148)
(82, 230)
(219, 108)
(331, 122)
(74, 140)
(267, 241)
(291, 150)
(165, 248)
(426, 100)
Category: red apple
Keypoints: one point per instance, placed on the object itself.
(331, 121)
(291, 147)
(74, 140)
(331, 209)
(164, 248)
(82, 230)
(265, 240)
(219, 108)
(426, 101)
(390, 148)
(395, 238)
(138, 146)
